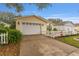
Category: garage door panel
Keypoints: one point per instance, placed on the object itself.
(31, 29)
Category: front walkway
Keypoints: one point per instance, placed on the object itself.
(39, 45)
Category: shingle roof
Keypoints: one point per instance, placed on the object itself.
(39, 17)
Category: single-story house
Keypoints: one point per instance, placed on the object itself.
(66, 27)
(30, 25)
(77, 27)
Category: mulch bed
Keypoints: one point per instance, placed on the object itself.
(10, 49)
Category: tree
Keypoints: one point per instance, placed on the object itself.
(56, 21)
(2, 25)
(49, 28)
(20, 7)
(13, 25)
(8, 18)
(55, 29)
(41, 6)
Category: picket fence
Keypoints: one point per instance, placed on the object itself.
(4, 38)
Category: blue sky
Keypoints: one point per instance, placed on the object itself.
(65, 11)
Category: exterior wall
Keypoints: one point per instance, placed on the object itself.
(31, 20)
(59, 28)
(62, 30)
(77, 28)
(18, 26)
(66, 29)
(69, 24)
(44, 29)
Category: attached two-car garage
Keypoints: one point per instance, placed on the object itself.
(30, 25)
(31, 28)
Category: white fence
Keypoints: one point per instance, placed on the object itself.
(54, 34)
(58, 33)
(4, 38)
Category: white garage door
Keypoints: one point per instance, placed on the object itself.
(29, 29)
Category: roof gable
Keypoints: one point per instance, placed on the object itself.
(38, 17)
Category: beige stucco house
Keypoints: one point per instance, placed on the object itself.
(30, 25)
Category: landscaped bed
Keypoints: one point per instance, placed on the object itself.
(13, 38)
(70, 40)
(9, 49)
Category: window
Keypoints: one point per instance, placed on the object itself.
(35, 23)
(30, 23)
(23, 23)
(27, 23)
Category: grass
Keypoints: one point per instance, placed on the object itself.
(70, 40)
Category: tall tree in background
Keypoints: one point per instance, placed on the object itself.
(8, 18)
(20, 7)
(41, 6)
(56, 21)
(17, 6)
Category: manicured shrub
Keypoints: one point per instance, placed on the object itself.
(2, 30)
(14, 35)
(49, 27)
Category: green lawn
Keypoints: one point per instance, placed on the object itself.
(70, 40)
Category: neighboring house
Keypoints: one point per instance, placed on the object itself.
(77, 27)
(5, 24)
(66, 27)
(29, 25)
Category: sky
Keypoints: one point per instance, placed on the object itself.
(64, 11)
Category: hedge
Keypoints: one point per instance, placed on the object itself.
(14, 35)
(2, 30)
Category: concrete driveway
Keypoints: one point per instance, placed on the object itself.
(39, 45)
